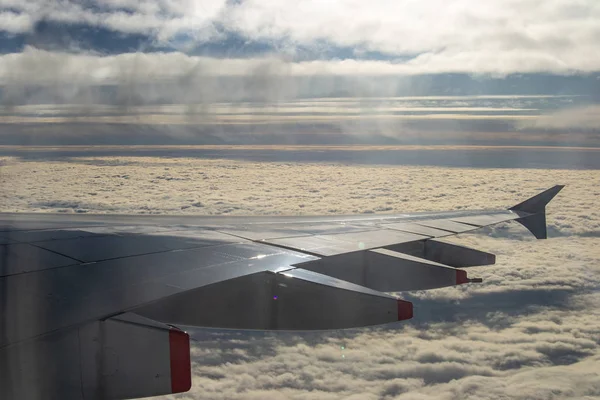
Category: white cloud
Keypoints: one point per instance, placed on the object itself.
(177, 75)
(163, 19)
(574, 118)
(496, 36)
(530, 330)
(15, 22)
(230, 187)
(43, 67)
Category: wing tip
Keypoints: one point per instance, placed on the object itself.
(537, 203)
(536, 224)
(533, 211)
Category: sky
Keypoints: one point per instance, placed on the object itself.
(497, 36)
(531, 46)
(84, 56)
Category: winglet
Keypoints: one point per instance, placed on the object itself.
(535, 207)
(537, 203)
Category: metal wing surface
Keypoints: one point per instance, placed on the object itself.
(73, 286)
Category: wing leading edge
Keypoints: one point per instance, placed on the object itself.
(77, 288)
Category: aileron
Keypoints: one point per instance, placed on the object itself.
(484, 220)
(418, 229)
(447, 225)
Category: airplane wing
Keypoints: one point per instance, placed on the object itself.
(90, 304)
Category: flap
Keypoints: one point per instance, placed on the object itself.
(446, 253)
(294, 299)
(388, 271)
(126, 356)
(115, 358)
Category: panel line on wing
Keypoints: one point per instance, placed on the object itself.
(52, 251)
(240, 236)
(284, 247)
(292, 232)
(12, 228)
(81, 263)
(163, 251)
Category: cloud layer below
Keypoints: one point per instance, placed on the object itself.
(531, 330)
